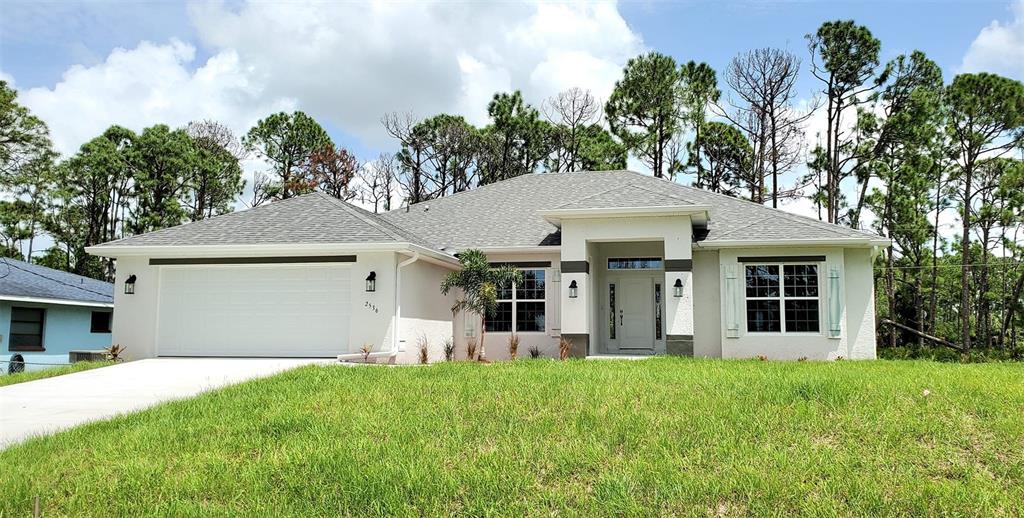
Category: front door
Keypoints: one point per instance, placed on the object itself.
(631, 301)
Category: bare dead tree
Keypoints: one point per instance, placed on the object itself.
(571, 111)
(260, 193)
(378, 181)
(763, 81)
(413, 157)
(216, 185)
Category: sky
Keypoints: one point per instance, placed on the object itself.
(82, 66)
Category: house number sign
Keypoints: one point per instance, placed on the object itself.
(371, 307)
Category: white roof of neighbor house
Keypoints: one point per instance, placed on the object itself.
(505, 214)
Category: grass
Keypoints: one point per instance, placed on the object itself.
(49, 372)
(541, 437)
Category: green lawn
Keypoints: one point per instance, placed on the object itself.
(664, 436)
(49, 372)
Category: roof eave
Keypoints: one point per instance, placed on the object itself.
(62, 302)
(866, 242)
(262, 250)
(555, 216)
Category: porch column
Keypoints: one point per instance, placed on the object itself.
(679, 299)
(575, 310)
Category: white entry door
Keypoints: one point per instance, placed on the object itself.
(632, 330)
(279, 310)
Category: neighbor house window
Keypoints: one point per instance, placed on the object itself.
(782, 298)
(100, 322)
(27, 329)
(635, 263)
(521, 306)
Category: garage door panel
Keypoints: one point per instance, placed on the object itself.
(254, 311)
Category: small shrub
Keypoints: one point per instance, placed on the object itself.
(114, 352)
(449, 349)
(471, 349)
(762, 357)
(839, 358)
(513, 346)
(534, 352)
(564, 348)
(366, 349)
(802, 359)
(424, 348)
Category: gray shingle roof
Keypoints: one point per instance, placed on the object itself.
(21, 279)
(312, 218)
(504, 214)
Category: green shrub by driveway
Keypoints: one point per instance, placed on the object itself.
(541, 437)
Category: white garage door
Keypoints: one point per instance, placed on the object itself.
(294, 310)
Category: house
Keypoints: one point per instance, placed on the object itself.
(46, 313)
(617, 262)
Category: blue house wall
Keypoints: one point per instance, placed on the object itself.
(65, 328)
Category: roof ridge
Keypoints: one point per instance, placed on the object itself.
(394, 231)
(218, 216)
(832, 227)
(352, 209)
(7, 261)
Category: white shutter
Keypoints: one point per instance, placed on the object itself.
(553, 294)
(731, 296)
(469, 324)
(835, 302)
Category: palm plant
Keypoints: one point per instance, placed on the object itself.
(477, 284)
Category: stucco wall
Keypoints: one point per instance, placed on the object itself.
(707, 310)
(578, 238)
(65, 328)
(496, 345)
(135, 325)
(860, 304)
(855, 339)
(426, 313)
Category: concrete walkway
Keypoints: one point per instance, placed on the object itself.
(52, 404)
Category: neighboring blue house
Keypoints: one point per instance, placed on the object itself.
(45, 313)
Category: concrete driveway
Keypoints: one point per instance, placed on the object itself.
(52, 404)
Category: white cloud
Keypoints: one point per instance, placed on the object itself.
(147, 85)
(999, 47)
(350, 63)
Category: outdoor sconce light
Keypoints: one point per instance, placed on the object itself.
(129, 285)
(573, 289)
(677, 288)
(371, 282)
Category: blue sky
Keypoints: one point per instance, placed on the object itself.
(84, 66)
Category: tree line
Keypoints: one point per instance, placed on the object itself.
(898, 143)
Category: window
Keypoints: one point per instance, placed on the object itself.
(521, 306)
(611, 311)
(786, 304)
(26, 329)
(100, 322)
(635, 263)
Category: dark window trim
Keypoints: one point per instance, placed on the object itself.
(575, 267)
(252, 260)
(92, 323)
(42, 331)
(514, 300)
(523, 264)
(784, 259)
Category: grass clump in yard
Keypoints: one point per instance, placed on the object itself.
(655, 437)
(49, 372)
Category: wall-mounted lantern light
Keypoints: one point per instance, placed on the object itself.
(573, 289)
(677, 288)
(371, 282)
(129, 285)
